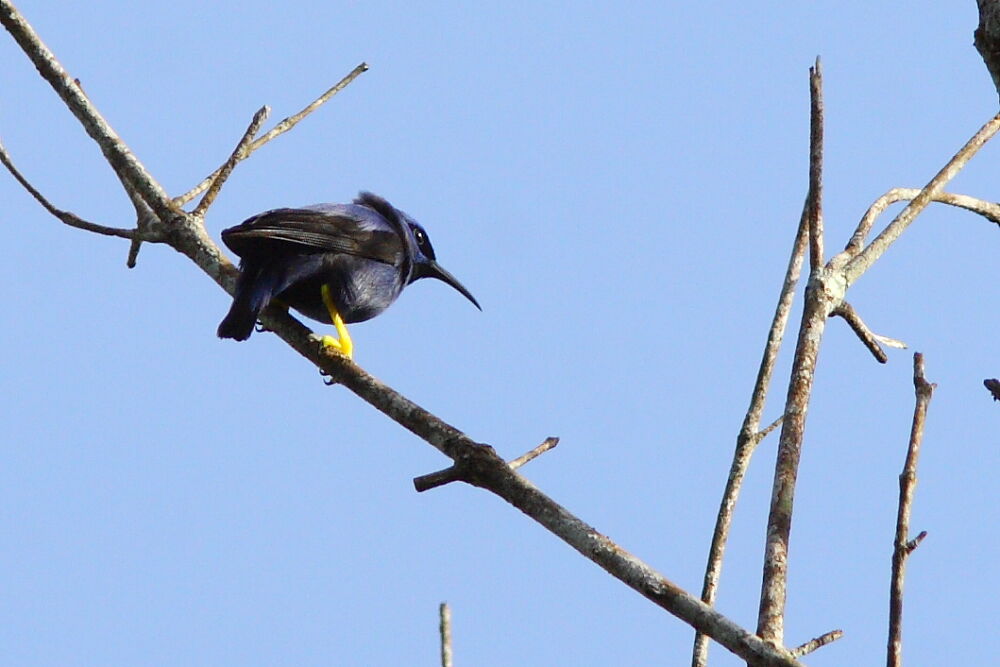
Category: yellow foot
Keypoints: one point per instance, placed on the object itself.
(345, 346)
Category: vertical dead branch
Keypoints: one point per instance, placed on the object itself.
(815, 197)
(770, 618)
(902, 545)
(444, 612)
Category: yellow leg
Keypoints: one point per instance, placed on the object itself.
(345, 346)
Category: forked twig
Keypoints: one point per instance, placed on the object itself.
(902, 545)
(279, 129)
(238, 154)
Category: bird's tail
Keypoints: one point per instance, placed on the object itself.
(254, 290)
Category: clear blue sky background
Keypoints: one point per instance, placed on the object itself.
(619, 187)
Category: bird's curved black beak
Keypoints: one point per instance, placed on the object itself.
(434, 270)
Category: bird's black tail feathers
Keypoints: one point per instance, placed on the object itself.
(254, 290)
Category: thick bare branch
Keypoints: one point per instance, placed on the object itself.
(279, 129)
(902, 545)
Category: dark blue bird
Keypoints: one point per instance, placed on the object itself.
(335, 263)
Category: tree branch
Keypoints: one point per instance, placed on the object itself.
(818, 303)
(902, 545)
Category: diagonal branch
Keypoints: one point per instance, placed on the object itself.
(902, 545)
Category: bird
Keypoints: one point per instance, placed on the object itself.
(334, 263)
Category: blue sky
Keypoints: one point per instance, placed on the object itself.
(619, 189)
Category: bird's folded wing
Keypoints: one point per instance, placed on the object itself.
(288, 229)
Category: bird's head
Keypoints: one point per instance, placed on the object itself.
(425, 263)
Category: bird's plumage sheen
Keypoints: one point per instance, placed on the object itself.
(365, 252)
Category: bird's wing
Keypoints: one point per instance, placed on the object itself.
(310, 231)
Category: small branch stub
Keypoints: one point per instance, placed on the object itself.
(459, 472)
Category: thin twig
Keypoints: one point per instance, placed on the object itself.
(546, 445)
(68, 218)
(902, 545)
(280, 128)
(767, 430)
(238, 154)
(987, 209)
(456, 473)
(748, 438)
(867, 257)
(771, 614)
(858, 326)
(444, 627)
(817, 643)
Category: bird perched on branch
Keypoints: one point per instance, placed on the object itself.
(335, 263)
